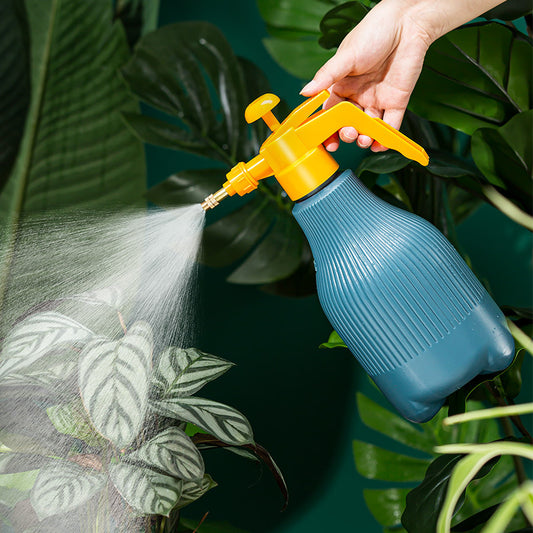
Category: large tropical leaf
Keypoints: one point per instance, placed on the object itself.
(175, 70)
(222, 421)
(173, 452)
(378, 463)
(138, 17)
(182, 372)
(114, 383)
(146, 491)
(34, 338)
(505, 157)
(63, 486)
(294, 29)
(76, 151)
(14, 82)
(478, 75)
(178, 55)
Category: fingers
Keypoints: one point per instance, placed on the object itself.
(347, 135)
(394, 118)
(364, 141)
(332, 71)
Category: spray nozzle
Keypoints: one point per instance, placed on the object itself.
(293, 152)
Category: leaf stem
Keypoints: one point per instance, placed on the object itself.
(520, 336)
(201, 522)
(507, 207)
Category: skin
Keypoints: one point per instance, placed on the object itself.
(378, 63)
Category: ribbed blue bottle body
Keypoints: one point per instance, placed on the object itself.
(401, 297)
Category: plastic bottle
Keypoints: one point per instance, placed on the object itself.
(397, 292)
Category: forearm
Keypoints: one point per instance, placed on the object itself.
(438, 17)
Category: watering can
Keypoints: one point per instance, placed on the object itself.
(396, 291)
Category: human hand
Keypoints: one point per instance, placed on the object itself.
(376, 67)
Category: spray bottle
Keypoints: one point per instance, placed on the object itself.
(397, 292)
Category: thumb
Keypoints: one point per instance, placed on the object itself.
(331, 72)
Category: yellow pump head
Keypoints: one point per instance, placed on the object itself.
(293, 152)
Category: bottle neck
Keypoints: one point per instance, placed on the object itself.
(332, 178)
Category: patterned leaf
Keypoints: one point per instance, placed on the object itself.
(63, 486)
(222, 421)
(111, 296)
(114, 379)
(174, 452)
(71, 419)
(193, 490)
(182, 372)
(145, 490)
(37, 336)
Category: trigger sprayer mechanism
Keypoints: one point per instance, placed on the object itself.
(293, 152)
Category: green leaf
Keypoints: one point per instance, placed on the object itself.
(448, 165)
(14, 84)
(193, 490)
(190, 526)
(222, 421)
(390, 424)
(382, 163)
(300, 58)
(386, 505)
(276, 257)
(63, 486)
(477, 75)
(423, 503)
(338, 22)
(168, 71)
(511, 379)
(334, 341)
(72, 419)
(182, 372)
(114, 381)
(138, 17)
(186, 187)
(505, 155)
(377, 463)
(509, 10)
(23, 481)
(173, 452)
(230, 238)
(76, 152)
(36, 337)
(148, 492)
(111, 296)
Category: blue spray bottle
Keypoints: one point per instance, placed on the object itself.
(397, 292)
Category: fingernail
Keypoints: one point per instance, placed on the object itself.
(364, 141)
(310, 88)
(349, 133)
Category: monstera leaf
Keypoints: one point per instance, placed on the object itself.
(174, 70)
(476, 76)
(377, 463)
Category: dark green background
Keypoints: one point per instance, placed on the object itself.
(299, 399)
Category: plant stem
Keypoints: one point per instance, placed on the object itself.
(163, 524)
(507, 207)
(520, 336)
(201, 522)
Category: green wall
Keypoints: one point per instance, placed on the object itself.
(300, 400)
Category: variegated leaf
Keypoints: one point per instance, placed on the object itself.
(110, 296)
(182, 372)
(174, 452)
(114, 381)
(63, 486)
(222, 421)
(72, 419)
(145, 490)
(37, 336)
(192, 490)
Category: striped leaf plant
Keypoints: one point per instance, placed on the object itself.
(118, 420)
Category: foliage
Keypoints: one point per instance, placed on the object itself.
(198, 90)
(108, 419)
(417, 509)
(75, 152)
